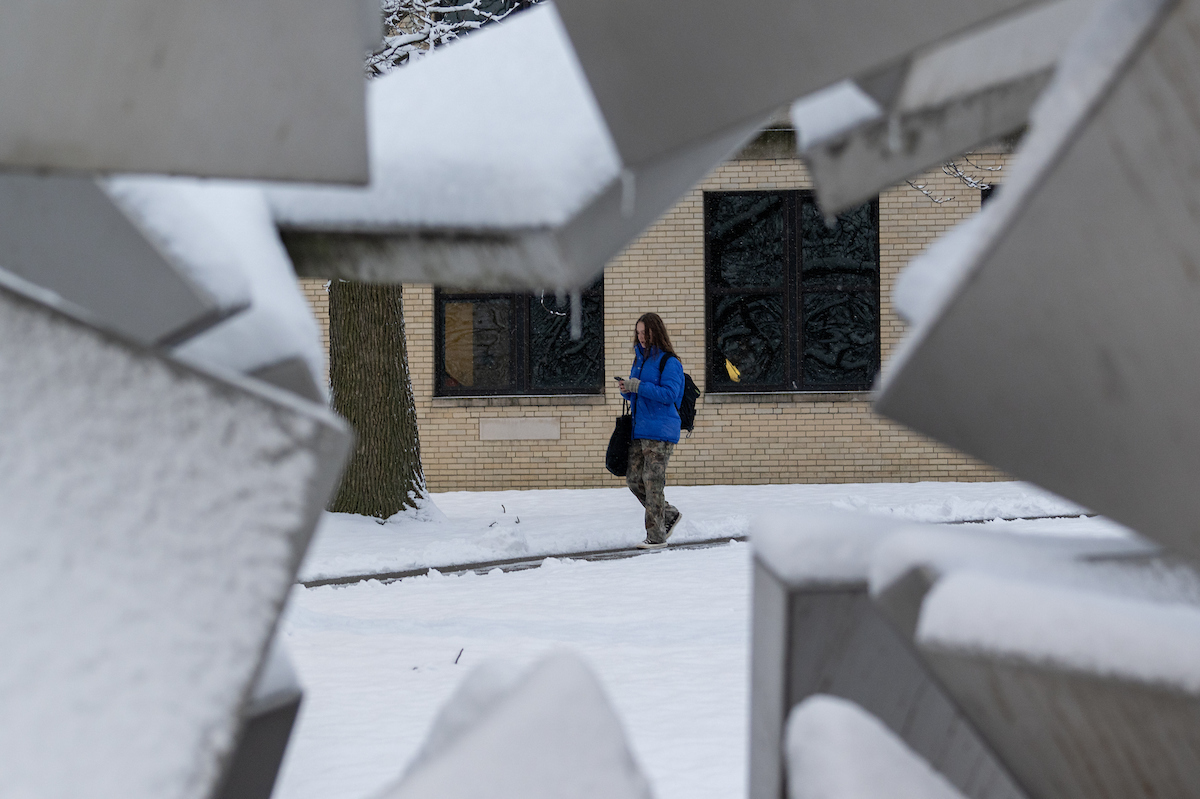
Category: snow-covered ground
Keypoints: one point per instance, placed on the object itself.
(667, 631)
(485, 526)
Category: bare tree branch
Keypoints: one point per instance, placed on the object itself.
(414, 28)
(955, 170)
(933, 198)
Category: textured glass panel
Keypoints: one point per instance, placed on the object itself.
(843, 257)
(840, 331)
(556, 361)
(478, 344)
(747, 336)
(745, 240)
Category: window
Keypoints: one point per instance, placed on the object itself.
(517, 344)
(792, 304)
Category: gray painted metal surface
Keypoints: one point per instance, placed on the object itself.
(1059, 344)
(906, 566)
(66, 235)
(566, 257)
(260, 88)
(292, 374)
(951, 98)
(1093, 724)
(267, 725)
(810, 639)
(1078, 736)
(671, 73)
(154, 517)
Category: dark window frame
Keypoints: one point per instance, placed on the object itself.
(793, 299)
(520, 362)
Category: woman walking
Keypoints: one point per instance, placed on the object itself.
(654, 389)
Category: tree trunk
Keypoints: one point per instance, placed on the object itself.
(368, 369)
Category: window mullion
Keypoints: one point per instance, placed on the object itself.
(520, 343)
(795, 323)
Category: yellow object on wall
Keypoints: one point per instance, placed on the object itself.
(735, 374)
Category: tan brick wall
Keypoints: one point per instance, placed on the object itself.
(794, 439)
(316, 291)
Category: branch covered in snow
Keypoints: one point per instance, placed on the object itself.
(414, 28)
(955, 170)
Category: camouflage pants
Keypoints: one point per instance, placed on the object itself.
(646, 478)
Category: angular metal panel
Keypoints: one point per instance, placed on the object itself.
(1078, 736)
(258, 88)
(857, 166)
(564, 257)
(1060, 346)
(953, 97)
(66, 235)
(671, 73)
(153, 519)
(836, 642)
(1054, 681)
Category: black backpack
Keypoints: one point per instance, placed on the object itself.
(691, 393)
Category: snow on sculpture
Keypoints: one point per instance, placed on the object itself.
(538, 200)
(943, 101)
(837, 750)
(1084, 687)
(549, 733)
(263, 88)
(1053, 334)
(1073, 658)
(68, 235)
(154, 519)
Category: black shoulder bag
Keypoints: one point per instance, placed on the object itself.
(617, 459)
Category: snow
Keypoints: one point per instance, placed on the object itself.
(667, 633)
(498, 130)
(277, 680)
(837, 750)
(482, 527)
(153, 518)
(1060, 626)
(551, 735)
(177, 217)
(222, 234)
(279, 323)
(831, 112)
(820, 547)
(991, 547)
(483, 689)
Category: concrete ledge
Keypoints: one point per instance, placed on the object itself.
(787, 396)
(510, 400)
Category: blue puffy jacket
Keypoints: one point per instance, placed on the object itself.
(655, 411)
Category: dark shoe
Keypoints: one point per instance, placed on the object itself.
(671, 526)
(648, 544)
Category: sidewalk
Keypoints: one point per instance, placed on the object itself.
(511, 530)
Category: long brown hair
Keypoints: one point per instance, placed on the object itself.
(656, 334)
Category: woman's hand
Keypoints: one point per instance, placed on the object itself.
(630, 385)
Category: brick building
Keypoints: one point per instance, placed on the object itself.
(491, 422)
